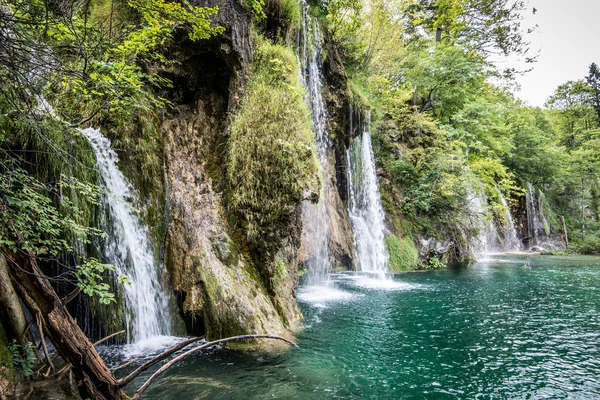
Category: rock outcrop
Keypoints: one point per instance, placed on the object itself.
(223, 286)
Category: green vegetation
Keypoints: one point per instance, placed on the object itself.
(589, 245)
(63, 66)
(272, 160)
(445, 132)
(402, 252)
(448, 133)
(6, 364)
(23, 358)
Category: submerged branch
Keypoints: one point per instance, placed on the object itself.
(162, 369)
(128, 363)
(124, 381)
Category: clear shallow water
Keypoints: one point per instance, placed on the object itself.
(506, 328)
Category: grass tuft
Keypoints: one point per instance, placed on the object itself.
(272, 164)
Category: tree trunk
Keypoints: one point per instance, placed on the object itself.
(95, 379)
(438, 35)
(17, 323)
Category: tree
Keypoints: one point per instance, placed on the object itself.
(444, 77)
(593, 79)
(572, 100)
(484, 26)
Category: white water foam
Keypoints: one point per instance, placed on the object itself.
(150, 346)
(319, 295)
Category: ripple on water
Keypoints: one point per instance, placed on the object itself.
(505, 332)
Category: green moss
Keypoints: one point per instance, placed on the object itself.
(272, 160)
(403, 254)
(358, 94)
(287, 11)
(551, 221)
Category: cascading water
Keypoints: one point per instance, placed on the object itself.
(511, 239)
(487, 240)
(128, 248)
(535, 225)
(315, 216)
(490, 239)
(538, 228)
(364, 203)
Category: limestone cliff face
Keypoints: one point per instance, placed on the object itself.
(223, 287)
(219, 291)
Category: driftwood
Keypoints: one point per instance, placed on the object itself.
(43, 340)
(92, 376)
(127, 364)
(124, 381)
(195, 350)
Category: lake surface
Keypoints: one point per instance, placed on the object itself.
(508, 328)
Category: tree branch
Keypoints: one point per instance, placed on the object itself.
(107, 338)
(162, 369)
(124, 381)
(69, 298)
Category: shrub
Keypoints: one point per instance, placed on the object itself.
(272, 163)
(403, 254)
(589, 245)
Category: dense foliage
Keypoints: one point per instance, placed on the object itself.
(65, 65)
(448, 127)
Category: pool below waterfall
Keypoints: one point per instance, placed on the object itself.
(514, 326)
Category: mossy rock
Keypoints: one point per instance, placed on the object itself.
(403, 254)
(272, 157)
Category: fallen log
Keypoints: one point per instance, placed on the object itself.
(95, 379)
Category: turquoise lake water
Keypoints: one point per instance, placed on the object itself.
(512, 327)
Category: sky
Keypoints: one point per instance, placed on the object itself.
(568, 40)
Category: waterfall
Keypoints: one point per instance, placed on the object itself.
(537, 225)
(315, 216)
(511, 239)
(364, 203)
(487, 240)
(538, 228)
(128, 248)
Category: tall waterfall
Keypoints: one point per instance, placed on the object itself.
(538, 228)
(492, 237)
(364, 203)
(316, 216)
(128, 248)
